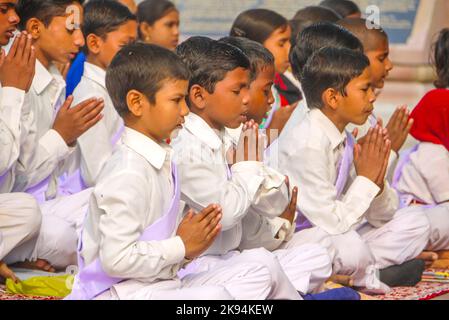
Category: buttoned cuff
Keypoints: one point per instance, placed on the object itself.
(251, 173)
(55, 144)
(174, 250)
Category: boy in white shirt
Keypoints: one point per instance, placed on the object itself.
(52, 127)
(136, 249)
(342, 191)
(219, 97)
(108, 26)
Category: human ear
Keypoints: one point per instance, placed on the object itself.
(34, 27)
(197, 95)
(331, 98)
(135, 102)
(145, 31)
(94, 43)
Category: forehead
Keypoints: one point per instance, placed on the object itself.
(377, 42)
(364, 78)
(282, 32)
(173, 86)
(128, 29)
(265, 73)
(236, 76)
(10, 2)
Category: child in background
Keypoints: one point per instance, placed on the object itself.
(343, 187)
(345, 8)
(108, 26)
(158, 23)
(272, 31)
(422, 174)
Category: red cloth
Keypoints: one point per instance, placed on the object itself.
(431, 118)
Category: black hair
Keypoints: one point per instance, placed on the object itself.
(259, 57)
(330, 67)
(44, 10)
(104, 16)
(257, 24)
(308, 16)
(150, 11)
(440, 59)
(367, 35)
(317, 36)
(142, 67)
(343, 7)
(209, 63)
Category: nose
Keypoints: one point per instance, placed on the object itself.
(389, 64)
(246, 96)
(176, 31)
(372, 95)
(270, 98)
(78, 38)
(13, 18)
(184, 109)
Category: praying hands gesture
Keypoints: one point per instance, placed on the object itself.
(289, 212)
(17, 68)
(398, 127)
(251, 144)
(371, 156)
(198, 231)
(71, 123)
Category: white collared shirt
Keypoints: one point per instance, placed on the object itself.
(134, 189)
(309, 154)
(12, 104)
(44, 152)
(426, 176)
(200, 155)
(95, 144)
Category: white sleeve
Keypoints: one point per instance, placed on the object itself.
(12, 101)
(317, 196)
(435, 172)
(121, 224)
(383, 207)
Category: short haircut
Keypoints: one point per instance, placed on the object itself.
(368, 36)
(142, 67)
(44, 10)
(210, 63)
(343, 7)
(259, 57)
(318, 36)
(440, 59)
(257, 24)
(330, 68)
(104, 16)
(308, 16)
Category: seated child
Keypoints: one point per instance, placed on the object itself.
(422, 174)
(108, 26)
(272, 31)
(344, 8)
(158, 23)
(52, 127)
(342, 186)
(219, 98)
(135, 239)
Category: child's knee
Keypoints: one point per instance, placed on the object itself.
(354, 254)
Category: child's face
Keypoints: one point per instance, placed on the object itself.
(114, 41)
(62, 39)
(165, 31)
(260, 95)
(357, 105)
(8, 20)
(167, 114)
(279, 45)
(228, 105)
(380, 63)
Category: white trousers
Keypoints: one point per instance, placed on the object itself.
(438, 216)
(360, 253)
(247, 275)
(307, 265)
(62, 220)
(20, 220)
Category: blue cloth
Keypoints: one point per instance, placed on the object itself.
(75, 73)
(334, 294)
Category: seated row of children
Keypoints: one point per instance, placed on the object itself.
(156, 181)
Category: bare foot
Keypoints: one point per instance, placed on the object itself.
(341, 279)
(7, 273)
(443, 254)
(429, 257)
(440, 264)
(39, 264)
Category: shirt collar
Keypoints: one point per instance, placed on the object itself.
(156, 154)
(44, 77)
(330, 130)
(200, 129)
(95, 74)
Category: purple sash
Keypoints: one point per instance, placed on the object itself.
(342, 177)
(92, 280)
(404, 199)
